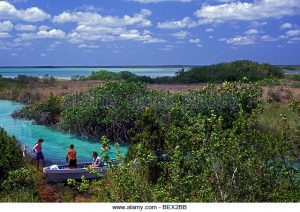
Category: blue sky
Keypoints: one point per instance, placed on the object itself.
(148, 32)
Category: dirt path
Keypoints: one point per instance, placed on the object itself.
(49, 193)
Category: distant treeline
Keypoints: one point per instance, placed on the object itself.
(21, 81)
(289, 67)
(232, 71)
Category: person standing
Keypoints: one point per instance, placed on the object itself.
(71, 157)
(37, 149)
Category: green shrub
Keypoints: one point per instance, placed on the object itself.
(203, 161)
(232, 71)
(296, 77)
(103, 75)
(269, 82)
(22, 177)
(115, 108)
(45, 112)
(10, 154)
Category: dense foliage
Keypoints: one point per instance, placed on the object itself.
(122, 75)
(17, 182)
(45, 112)
(115, 108)
(22, 80)
(233, 71)
(203, 161)
(205, 145)
(291, 67)
(10, 154)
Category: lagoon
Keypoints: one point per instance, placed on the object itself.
(68, 72)
(56, 143)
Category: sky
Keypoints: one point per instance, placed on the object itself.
(148, 32)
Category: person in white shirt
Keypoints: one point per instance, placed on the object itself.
(96, 160)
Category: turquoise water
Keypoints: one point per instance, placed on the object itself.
(67, 73)
(56, 144)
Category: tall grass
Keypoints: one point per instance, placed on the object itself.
(271, 122)
(21, 194)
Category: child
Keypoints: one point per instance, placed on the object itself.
(37, 149)
(71, 157)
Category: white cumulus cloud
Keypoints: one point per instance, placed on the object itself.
(294, 32)
(286, 25)
(4, 35)
(93, 18)
(25, 27)
(6, 26)
(248, 11)
(197, 40)
(240, 40)
(180, 35)
(85, 46)
(186, 22)
(32, 14)
(251, 32)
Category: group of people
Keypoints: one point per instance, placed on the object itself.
(71, 157)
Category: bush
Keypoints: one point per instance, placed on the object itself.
(296, 77)
(115, 108)
(122, 75)
(110, 109)
(103, 75)
(10, 154)
(46, 112)
(233, 71)
(203, 161)
(22, 177)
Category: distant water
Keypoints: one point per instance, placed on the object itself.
(67, 73)
(56, 143)
(291, 71)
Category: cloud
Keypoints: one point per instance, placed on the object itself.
(4, 35)
(92, 26)
(240, 40)
(44, 27)
(167, 48)
(245, 11)
(54, 45)
(294, 40)
(6, 26)
(135, 35)
(294, 32)
(93, 18)
(180, 35)
(209, 30)
(158, 1)
(186, 22)
(251, 32)
(43, 55)
(286, 25)
(51, 34)
(268, 38)
(84, 46)
(32, 14)
(196, 41)
(251, 36)
(25, 27)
